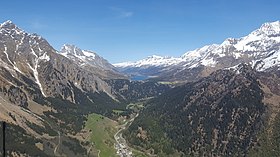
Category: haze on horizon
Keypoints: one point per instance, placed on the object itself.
(131, 30)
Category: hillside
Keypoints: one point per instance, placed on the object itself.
(220, 115)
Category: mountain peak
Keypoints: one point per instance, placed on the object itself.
(270, 28)
(84, 57)
(70, 49)
(154, 57)
(8, 24)
(271, 25)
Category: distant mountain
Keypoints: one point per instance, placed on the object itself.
(228, 113)
(90, 61)
(260, 49)
(152, 61)
(148, 67)
(85, 57)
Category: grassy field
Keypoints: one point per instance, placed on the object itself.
(137, 153)
(102, 134)
(136, 107)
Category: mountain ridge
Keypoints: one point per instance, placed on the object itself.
(90, 61)
(260, 48)
(84, 57)
(268, 28)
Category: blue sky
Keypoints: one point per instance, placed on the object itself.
(129, 30)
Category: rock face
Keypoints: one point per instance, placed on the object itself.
(260, 49)
(220, 115)
(90, 61)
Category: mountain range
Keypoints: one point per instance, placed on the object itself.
(218, 100)
(260, 49)
(46, 93)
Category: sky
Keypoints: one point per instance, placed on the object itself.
(130, 30)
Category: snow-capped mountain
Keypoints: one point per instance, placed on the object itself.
(83, 57)
(23, 53)
(253, 48)
(153, 60)
(30, 56)
(261, 49)
(148, 67)
(41, 90)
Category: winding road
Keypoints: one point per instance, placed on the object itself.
(59, 141)
(121, 146)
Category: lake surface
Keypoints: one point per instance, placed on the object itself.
(139, 78)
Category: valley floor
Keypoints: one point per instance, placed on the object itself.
(106, 138)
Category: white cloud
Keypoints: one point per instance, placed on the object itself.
(121, 13)
(126, 14)
(37, 25)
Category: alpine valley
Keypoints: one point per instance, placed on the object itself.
(218, 100)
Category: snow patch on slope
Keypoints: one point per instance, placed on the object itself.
(15, 68)
(208, 62)
(35, 68)
(243, 43)
(271, 61)
(44, 57)
(71, 50)
(36, 76)
(88, 54)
